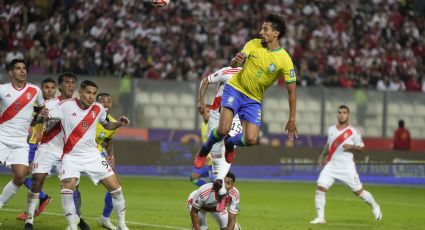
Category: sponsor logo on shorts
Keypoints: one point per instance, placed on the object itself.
(230, 100)
(258, 119)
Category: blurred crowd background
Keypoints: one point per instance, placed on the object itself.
(352, 44)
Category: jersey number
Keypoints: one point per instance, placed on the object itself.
(237, 127)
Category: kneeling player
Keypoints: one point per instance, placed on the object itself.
(204, 200)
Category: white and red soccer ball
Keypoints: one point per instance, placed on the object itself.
(159, 3)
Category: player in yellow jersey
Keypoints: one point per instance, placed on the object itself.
(264, 62)
(48, 89)
(104, 144)
(198, 175)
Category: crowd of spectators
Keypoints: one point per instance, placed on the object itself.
(357, 43)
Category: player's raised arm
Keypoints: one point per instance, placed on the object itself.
(290, 127)
(201, 95)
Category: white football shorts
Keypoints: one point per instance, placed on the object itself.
(95, 166)
(347, 174)
(13, 154)
(46, 158)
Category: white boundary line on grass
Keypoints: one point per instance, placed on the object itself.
(94, 218)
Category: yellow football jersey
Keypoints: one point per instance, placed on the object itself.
(262, 68)
(102, 133)
(34, 132)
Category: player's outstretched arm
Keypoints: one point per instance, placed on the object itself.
(238, 60)
(115, 125)
(232, 221)
(290, 127)
(201, 95)
(195, 219)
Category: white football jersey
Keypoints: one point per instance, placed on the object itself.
(337, 138)
(53, 136)
(17, 107)
(220, 77)
(79, 126)
(205, 199)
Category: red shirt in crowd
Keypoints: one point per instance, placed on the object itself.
(402, 139)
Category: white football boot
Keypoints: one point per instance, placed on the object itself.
(106, 223)
(318, 220)
(377, 213)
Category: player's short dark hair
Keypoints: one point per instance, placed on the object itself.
(344, 107)
(47, 80)
(102, 95)
(278, 23)
(12, 63)
(62, 77)
(86, 83)
(231, 175)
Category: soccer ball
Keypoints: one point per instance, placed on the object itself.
(160, 3)
(238, 227)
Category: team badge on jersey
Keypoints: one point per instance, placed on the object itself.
(272, 68)
(85, 125)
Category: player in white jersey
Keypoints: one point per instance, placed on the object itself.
(220, 166)
(204, 200)
(80, 154)
(17, 106)
(343, 141)
(49, 152)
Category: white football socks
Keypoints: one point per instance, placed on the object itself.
(119, 205)
(32, 203)
(368, 198)
(9, 190)
(320, 201)
(69, 208)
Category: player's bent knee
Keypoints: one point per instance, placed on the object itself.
(322, 188)
(67, 191)
(223, 130)
(251, 139)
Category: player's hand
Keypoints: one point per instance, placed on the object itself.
(322, 163)
(347, 147)
(124, 120)
(240, 57)
(111, 161)
(291, 128)
(201, 107)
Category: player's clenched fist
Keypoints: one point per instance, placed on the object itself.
(124, 120)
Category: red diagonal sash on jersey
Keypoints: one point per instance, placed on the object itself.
(18, 104)
(52, 133)
(338, 141)
(81, 129)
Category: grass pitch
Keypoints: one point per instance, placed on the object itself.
(160, 203)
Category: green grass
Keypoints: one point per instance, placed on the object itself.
(264, 205)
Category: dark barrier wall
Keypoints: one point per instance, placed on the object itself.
(264, 162)
(176, 153)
